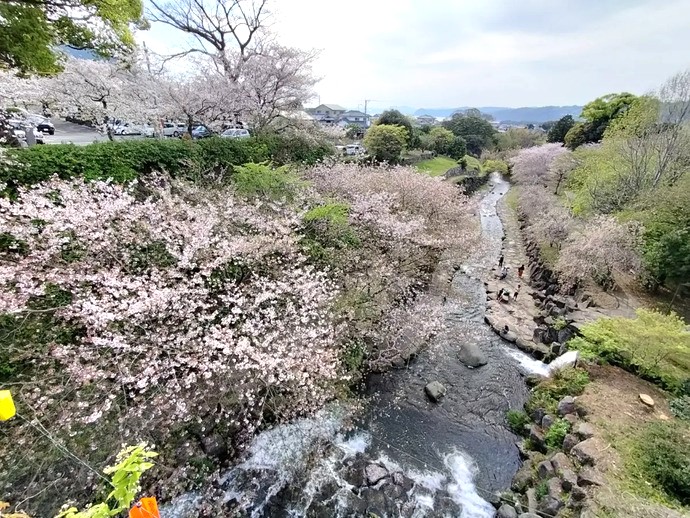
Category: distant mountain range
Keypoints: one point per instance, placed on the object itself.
(537, 114)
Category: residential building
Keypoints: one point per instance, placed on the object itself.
(327, 113)
(426, 120)
(354, 118)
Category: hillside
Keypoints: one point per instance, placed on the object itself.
(536, 114)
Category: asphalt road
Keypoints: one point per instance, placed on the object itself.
(69, 133)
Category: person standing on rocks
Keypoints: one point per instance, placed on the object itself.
(500, 261)
(516, 292)
(520, 271)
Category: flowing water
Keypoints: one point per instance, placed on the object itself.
(449, 458)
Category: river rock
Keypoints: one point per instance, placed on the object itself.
(589, 477)
(549, 506)
(571, 418)
(568, 479)
(547, 421)
(522, 478)
(374, 473)
(566, 406)
(472, 356)
(532, 500)
(401, 480)
(647, 400)
(569, 441)
(537, 438)
(545, 470)
(584, 430)
(587, 451)
(506, 511)
(214, 446)
(435, 391)
(560, 461)
(577, 494)
(555, 487)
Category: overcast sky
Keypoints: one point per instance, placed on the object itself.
(448, 53)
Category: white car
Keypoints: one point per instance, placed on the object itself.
(173, 129)
(354, 149)
(235, 133)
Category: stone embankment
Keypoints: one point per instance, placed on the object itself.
(539, 321)
(557, 482)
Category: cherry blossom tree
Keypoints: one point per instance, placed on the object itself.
(601, 249)
(101, 91)
(532, 166)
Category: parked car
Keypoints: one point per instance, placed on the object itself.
(235, 133)
(46, 127)
(354, 149)
(174, 129)
(201, 132)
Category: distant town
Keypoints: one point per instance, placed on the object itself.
(337, 115)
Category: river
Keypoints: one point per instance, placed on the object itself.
(445, 459)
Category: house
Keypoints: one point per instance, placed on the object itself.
(354, 118)
(328, 113)
(426, 120)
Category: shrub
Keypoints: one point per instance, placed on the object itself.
(653, 345)
(556, 433)
(496, 165)
(566, 382)
(261, 180)
(122, 161)
(542, 490)
(681, 407)
(517, 420)
(664, 456)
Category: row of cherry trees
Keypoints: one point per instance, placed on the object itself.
(233, 66)
(584, 250)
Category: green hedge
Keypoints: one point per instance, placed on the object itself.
(127, 159)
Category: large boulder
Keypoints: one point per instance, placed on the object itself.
(506, 511)
(435, 391)
(545, 470)
(567, 406)
(587, 451)
(537, 438)
(569, 441)
(549, 506)
(374, 473)
(568, 479)
(560, 461)
(589, 477)
(472, 356)
(584, 430)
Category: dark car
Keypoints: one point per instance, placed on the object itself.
(201, 132)
(46, 127)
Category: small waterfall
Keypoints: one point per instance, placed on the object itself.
(532, 366)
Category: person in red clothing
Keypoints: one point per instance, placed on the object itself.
(521, 270)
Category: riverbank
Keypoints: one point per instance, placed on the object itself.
(606, 420)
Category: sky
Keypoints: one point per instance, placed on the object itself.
(452, 53)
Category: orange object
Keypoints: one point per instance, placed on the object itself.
(145, 508)
(7, 409)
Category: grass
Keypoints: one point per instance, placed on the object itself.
(652, 454)
(566, 382)
(436, 166)
(654, 346)
(474, 164)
